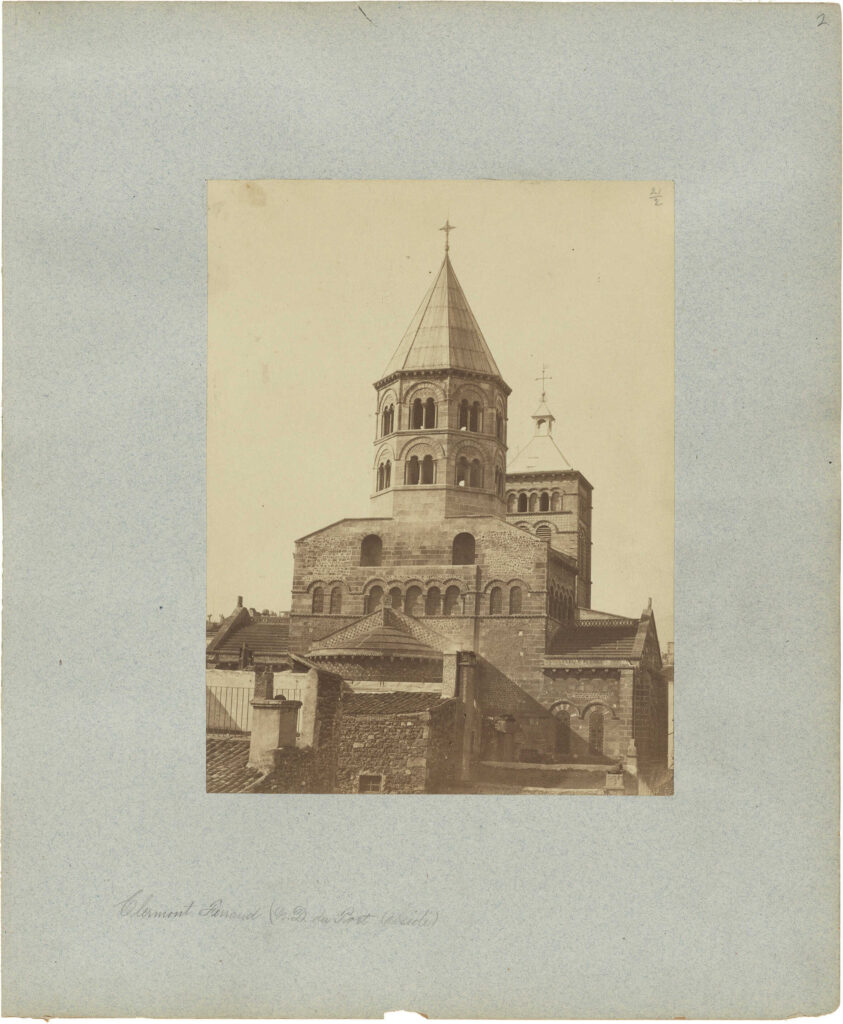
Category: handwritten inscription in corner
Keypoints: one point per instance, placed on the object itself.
(142, 906)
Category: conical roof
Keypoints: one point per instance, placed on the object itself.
(443, 334)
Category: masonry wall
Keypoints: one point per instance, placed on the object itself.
(583, 692)
(394, 746)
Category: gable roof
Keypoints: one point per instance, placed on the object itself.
(444, 333)
(384, 631)
(605, 639)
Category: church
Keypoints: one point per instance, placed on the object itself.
(446, 642)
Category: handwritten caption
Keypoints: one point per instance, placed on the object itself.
(142, 905)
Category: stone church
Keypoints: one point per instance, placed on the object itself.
(454, 623)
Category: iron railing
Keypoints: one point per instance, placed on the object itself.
(228, 708)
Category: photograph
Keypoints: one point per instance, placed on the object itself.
(440, 624)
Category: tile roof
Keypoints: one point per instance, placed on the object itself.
(606, 640)
(388, 640)
(443, 334)
(406, 702)
(262, 639)
(225, 765)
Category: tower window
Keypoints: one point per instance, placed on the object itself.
(336, 601)
(544, 502)
(395, 598)
(374, 600)
(522, 502)
(412, 472)
(433, 601)
(563, 731)
(318, 601)
(452, 600)
(512, 503)
(411, 600)
(556, 502)
(496, 601)
(475, 476)
(462, 472)
(463, 550)
(416, 415)
(499, 426)
(464, 414)
(387, 474)
(429, 413)
(515, 601)
(498, 483)
(371, 550)
(595, 731)
(388, 419)
(534, 502)
(474, 417)
(543, 532)
(427, 470)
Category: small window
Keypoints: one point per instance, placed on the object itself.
(452, 601)
(433, 602)
(544, 532)
(534, 502)
(499, 426)
(522, 502)
(544, 502)
(396, 598)
(387, 476)
(370, 784)
(374, 600)
(515, 601)
(371, 550)
(563, 732)
(429, 413)
(427, 470)
(463, 550)
(416, 415)
(462, 472)
(475, 476)
(336, 601)
(474, 417)
(412, 601)
(463, 415)
(496, 601)
(412, 472)
(318, 602)
(595, 731)
(556, 502)
(512, 503)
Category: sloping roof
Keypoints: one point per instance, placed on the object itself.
(384, 631)
(606, 640)
(262, 639)
(443, 334)
(225, 765)
(389, 640)
(539, 455)
(406, 702)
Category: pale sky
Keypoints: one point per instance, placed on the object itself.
(311, 286)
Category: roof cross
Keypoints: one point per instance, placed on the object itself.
(544, 377)
(447, 228)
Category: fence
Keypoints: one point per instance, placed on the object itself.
(228, 708)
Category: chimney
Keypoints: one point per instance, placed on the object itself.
(273, 723)
(240, 601)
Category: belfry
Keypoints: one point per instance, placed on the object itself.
(464, 597)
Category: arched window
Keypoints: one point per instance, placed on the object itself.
(462, 472)
(515, 601)
(595, 731)
(464, 414)
(433, 601)
(452, 600)
(474, 417)
(496, 601)
(411, 471)
(430, 413)
(336, 601)
(556, 502)
(427, 470)
(395, 598)
(522, 502)
(499, 426)
(380, 476)
(411, 601)
(563, 731)
(543, 532)
(544, 502)
(371, 550)
(374, 599)
(388, 419)
(512, 503)
(463, 549)
(387, 474)
(534, 502)
(475, 476)
(498, 482)
(318, 602)
(416, 415)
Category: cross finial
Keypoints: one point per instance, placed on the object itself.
(447, 228)
(544, 377)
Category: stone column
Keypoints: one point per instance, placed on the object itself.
(466, 667)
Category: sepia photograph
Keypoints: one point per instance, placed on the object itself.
(440, 488)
